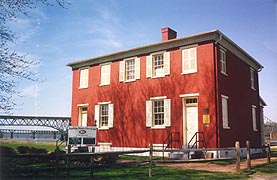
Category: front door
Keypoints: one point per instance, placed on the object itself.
(190, 119)
(83, 116)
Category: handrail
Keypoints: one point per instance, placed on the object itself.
(197, 140)
(170, 139)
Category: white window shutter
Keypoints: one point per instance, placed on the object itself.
(108, 74)
(254, 118)
(121, 71)
(167, 63)
(149, 113)
(111, 115)
(167, 112)
(148, 66)
(137, 68)
(84, 78)
(96, 115)
(225, 112)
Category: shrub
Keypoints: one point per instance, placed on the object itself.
(37, 151)
(7, 151)
(23, 149)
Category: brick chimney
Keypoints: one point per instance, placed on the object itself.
(168, 34)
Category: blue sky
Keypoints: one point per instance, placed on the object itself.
(88, 28)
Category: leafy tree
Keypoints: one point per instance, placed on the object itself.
(13, 65)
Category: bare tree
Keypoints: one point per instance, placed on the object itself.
(13, 65)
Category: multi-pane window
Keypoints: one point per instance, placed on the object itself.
(254, 117)
(158, 112)
(158, 65)
(103, 115)
(189, 60)
(191, 101)
(225, 120)
(83, 114)
(129, 70)
(223, 62)
(83, 78)
(105, 74)
(252, 78)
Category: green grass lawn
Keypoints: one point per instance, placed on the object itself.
(163, 173)
(49, 147)
(11, 164)
(136, 173)
(264, 168)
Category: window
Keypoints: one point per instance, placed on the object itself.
(223, 64)
(129, 70)
(83, 78)
(105, 74)
(225, 123)
(158, 65)
(254, 119)
(252, 78)
(83, 114)
(158, 112)
(103, 115)
(189, 60)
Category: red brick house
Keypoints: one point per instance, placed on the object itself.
(199, 83)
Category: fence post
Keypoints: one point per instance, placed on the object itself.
(268, 153)
(150, 160)
(56, 163)
(248, 158)
(163, 151)
(68, 162)
(91, 165)
(237, 146)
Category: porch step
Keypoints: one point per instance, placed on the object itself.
(178, 155)
(184, 155)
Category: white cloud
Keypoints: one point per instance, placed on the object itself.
(26, 26)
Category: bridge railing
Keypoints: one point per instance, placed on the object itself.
(59, 123)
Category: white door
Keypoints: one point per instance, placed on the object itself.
(83, 116)
(190, 120)
(84, 119)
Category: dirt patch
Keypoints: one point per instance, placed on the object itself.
(214, 167)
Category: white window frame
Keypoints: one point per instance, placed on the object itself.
(123, 69)
(105, 74)
(252, 78)
(81, 121)
(224, 110)
(190, 60)
(150, 121)
(84, 76)
(254, 117)
(97, 115)
(165, 71)
(223, 61)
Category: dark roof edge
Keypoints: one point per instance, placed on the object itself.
(238, 51)
(179, 42)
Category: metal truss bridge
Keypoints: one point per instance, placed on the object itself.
(59, 123)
